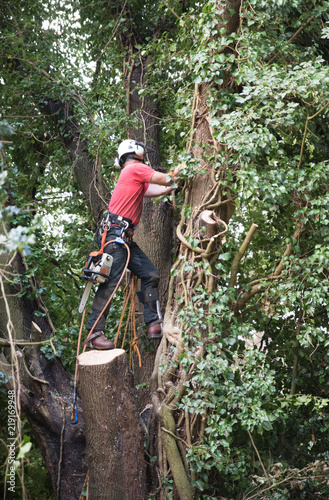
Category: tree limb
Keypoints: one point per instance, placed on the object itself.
(239, 255)
(278, 270)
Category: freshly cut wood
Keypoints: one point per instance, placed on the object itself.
(206, 217)
(113, 433)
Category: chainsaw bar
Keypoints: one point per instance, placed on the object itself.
(85, 297)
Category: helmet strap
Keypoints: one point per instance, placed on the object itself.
(129, 156)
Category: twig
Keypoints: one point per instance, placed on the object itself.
(292, 38)
(112, 34)
(37, 296)
(24, 342)
(278, 270)
(258, 455)
(308, 119)
(239, 255)
(32, 376)
(174, 436)
(278, 483)
(176, 15)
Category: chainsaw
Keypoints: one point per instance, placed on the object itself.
(97, 270)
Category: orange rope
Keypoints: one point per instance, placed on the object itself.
(124, 307)
(130, 321)
(132, 316)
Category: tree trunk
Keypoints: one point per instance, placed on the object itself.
(204, 194)
(114, 436)
(155, 230)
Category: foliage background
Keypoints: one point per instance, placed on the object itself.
(263, 413)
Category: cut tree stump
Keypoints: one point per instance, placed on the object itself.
(210, 223)
(114, 435)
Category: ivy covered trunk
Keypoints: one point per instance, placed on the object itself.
(188, 328)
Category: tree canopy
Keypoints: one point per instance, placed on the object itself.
(238, 93)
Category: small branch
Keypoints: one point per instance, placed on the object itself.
(32, 376)
(278, 270)
(185, 242)
(292, 38)
(6, 342)
(38, 298)
(176, 15)
(239, 255)
(277, 483)
(116, 25)
(176, 437)
(308, 119)
(258, 455)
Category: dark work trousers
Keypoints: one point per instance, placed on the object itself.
(139, 264)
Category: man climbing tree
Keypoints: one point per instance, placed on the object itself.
(245, 86)
(136, 181)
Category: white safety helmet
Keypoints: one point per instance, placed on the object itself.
(130, 147)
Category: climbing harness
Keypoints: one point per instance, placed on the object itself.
(98, 265)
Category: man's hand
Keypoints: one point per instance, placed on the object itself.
(169, 178)
(177, 169)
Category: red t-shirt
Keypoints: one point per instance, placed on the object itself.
(127, 196)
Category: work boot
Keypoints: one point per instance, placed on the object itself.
(100, 342)
(155, 330)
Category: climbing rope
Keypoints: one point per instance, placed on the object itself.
(130, 293)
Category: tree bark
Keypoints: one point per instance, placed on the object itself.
(154, 233)
(114, 436)
(155, 230)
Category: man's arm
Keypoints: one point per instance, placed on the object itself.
(162, 179)
(155, 190)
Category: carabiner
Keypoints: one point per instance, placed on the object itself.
(126, 225)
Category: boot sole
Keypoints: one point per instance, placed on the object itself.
(90, 346)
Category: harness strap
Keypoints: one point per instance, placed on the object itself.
(101, 250)
(128, 230)
(103, 238)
